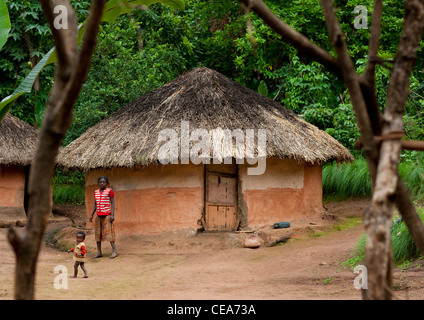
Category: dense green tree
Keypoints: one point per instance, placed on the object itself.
(28, 41)
(147, 48)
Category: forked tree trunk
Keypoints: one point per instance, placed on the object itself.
(383, 160)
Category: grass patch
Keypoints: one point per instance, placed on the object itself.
(403, 246)
(68, 194)
(346, 180)
(68, 187)
(328, 280)
(347, 223)
(352, 180)
(358, 255)
(413, 176)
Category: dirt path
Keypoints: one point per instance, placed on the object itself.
(306, 268)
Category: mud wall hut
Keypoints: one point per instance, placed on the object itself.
(153, 151)
(17, 144)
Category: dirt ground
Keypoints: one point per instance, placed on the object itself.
(183, 266)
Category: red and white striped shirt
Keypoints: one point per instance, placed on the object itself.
(103, 203)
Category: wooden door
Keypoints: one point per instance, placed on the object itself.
(221, 213)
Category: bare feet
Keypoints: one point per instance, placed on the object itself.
(99, 255)
(74, 276)
(114, 255)
(85, 276)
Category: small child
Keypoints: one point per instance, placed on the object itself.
(79, 254)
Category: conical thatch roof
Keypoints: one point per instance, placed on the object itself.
(207, 100)
(18, 141)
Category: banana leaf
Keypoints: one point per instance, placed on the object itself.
(112, 10)
(4, 23)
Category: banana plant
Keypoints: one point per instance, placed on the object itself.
(4, 23)
(112, 10)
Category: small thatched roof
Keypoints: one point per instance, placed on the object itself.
(18, 141)
(207, 100)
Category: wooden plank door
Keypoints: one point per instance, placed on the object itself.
(221, 213)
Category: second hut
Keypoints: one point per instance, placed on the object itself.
(18, 141)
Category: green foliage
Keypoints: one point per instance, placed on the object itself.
(64, 176)
(136, 54)
(403, 246)
(68, 187)
(411, 169)
(358, 254)
(112, 10)
(4, 23)
(139, 51)
(68, 194)
(28, 40)
(346, 180)
(343, 181)
(262, 88)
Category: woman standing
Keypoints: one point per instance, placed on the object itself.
(104, 205)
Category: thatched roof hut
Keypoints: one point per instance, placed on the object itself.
(151, 197)
(206, 99)
(18, 141)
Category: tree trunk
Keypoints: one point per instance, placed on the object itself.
(71, 70)
(382, 161)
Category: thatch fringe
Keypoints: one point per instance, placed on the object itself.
(18, 141)
(206, 100)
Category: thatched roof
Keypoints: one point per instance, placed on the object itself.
(207, 100)
(18, 141)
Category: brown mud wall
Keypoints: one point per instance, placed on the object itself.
(12, 190)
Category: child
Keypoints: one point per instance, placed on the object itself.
(104, 206)
(79, 254)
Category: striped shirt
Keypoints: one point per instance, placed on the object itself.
(103, 203)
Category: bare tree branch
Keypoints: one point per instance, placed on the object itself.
(368, 78)
(413, 145)
(305, 46)
(374, 42)
(388, 183)
(298, 40)
(378, 250)
(397, 135)
(352, 82)
(410, 215)
(81, 67)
